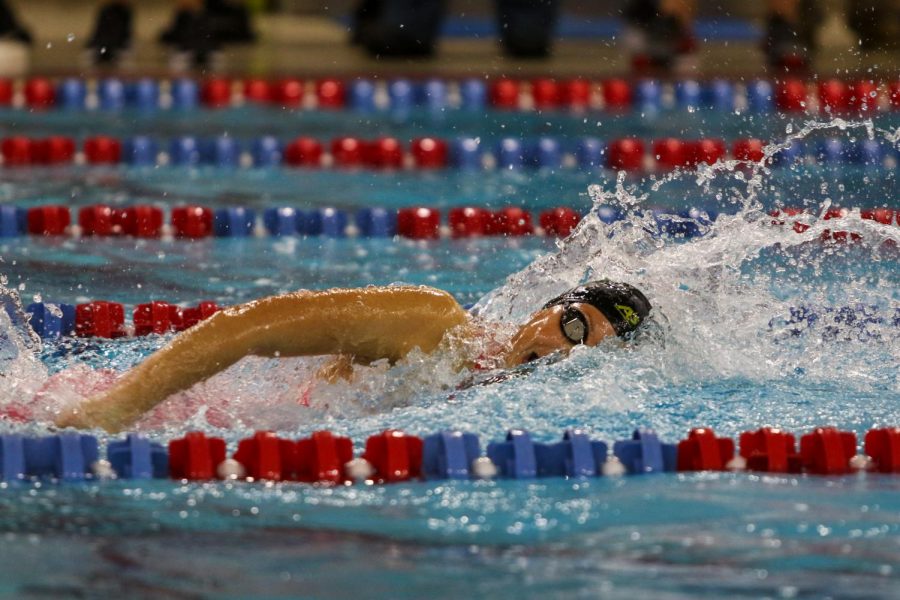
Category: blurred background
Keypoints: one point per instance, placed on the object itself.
(461, 37)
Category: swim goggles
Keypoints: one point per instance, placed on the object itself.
(574, 325)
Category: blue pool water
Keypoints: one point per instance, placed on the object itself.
(725, 357)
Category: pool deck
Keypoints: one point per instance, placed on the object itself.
(317, 46)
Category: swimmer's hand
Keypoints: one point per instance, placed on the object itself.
(94, 414)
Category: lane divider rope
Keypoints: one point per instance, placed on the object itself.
(431, 153)
(394, 456)
(790, 95)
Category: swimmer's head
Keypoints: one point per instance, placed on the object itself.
(587, 314)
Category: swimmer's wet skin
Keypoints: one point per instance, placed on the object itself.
(365, 324)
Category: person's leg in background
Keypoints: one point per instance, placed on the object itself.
(527, 27)
(661, 32)
(10, 27)
(112, 31)
(366, 13)
(790, 32)
(191, 31)
(230, 21)
(876, 22)
(400, 28)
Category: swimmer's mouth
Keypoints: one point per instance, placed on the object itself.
(531, 357)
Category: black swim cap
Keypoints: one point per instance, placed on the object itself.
(622, 304)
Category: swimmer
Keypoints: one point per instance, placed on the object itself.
(358, 326)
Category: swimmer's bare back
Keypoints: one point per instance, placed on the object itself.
(368, 324)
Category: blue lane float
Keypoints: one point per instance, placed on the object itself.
(137, 458)
(71, 94)
(13, 221)
(362, 95)
(449, 455)
(65, 457)
(473, 95)
(52, 321)
(185, 94)
(590, 153)
(644, 453)
(144, 95)
(575, 456)
(514, 458)
(140, 151)
(112, 95)
(376, 222)
(234, 221)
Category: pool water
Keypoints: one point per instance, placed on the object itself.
(723, 355)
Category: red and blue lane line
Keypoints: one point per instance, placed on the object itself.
(790, 95)
(194, 222)
(432, 153)
(394, 456)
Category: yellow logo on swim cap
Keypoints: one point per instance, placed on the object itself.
(631, 317)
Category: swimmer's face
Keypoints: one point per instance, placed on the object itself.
(556, 329)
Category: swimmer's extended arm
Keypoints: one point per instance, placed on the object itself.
(368, 324)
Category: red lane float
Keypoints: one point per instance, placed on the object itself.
(140, 221)
(48, 220)
(626, 154)
(192, 316)
(419, 223)
(708, 151)
(321, 458)
(748, 149)
(195, 457)
(511, 221)
(834, 96)
(790, 95)
(347, 152)
(192, 221)
(17, 151)
(545, 93)
(288, 93)
(770, 451)
(469, 221)
(55, 150)
(216, 93)
(330, 93)
(429, 153)
(154, 317)
(827, 451)
(894, 95)
(97, 220)
(885, 216)
(100, 319)
(504, 94)
(395, 456)
(616, 95)
(672, 153)
(383, 153)
(102, 150)
(883, 447)
(303, 152)
(864, 96)
(39, 94)
(258, 91)
(266, 456)
(6, 92)
(703, 451)
(559, 221)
